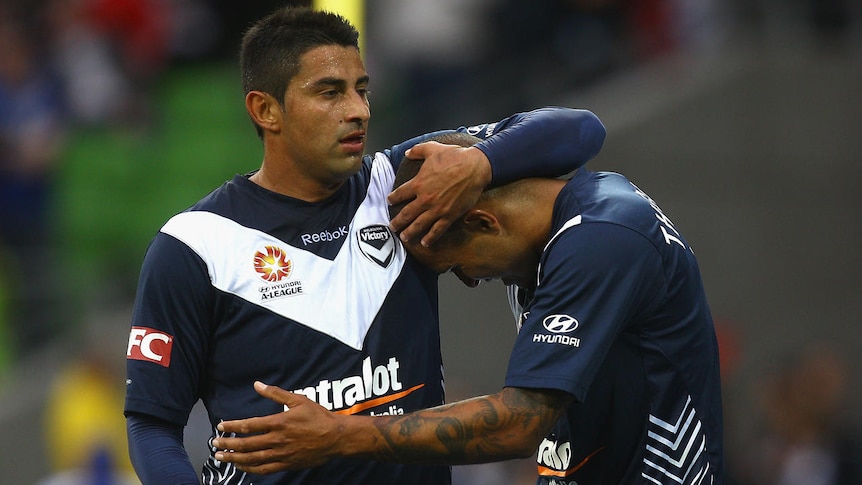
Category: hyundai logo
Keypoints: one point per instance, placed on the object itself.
(560, 323)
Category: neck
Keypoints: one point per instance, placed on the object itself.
(535, 210)
(285, 182)
(528, 214)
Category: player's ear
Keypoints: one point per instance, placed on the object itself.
(264, 110)
(481, 222)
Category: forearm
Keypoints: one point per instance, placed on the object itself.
(157, 453)
(546, 142)
(506, 425)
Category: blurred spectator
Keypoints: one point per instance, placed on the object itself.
(85, 433)
(424, 50)
(109, 52)
(195, 30)
(32, 135)
(807, 439)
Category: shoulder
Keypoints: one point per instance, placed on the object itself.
(598, 246)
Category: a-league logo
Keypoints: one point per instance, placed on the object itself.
(272, 264)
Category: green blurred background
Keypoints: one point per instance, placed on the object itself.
(116, 187)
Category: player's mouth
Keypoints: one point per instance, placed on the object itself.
(353, 142)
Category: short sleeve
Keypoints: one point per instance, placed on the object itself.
(171, 322)
(595, 279)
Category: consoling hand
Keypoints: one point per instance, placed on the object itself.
(449, 183)
(298, 438)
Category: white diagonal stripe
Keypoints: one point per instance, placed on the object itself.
(668, 426)
(663, 471)
(675, 444)
(677, 463)
(666, 456)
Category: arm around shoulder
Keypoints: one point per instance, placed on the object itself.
(546, 142)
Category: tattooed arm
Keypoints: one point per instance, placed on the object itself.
(501, 426)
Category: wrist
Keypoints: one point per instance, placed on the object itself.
(482, 165)
(356, 436)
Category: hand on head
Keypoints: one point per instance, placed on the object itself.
(449, 183)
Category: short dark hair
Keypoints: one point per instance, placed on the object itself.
(273, 46)
(410, 167)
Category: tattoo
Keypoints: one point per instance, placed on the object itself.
(505, 425)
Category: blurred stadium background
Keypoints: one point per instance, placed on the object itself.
(742, 119)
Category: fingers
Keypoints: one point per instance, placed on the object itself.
(405, 193)
(246, 426)
(421, 219)
(248, 445)
(437, 230)
(447, 185)
(263, 424)
(278, 394)
(264, 462)
(423, 150)
(271, 443)
(408, 191)
(260, 462)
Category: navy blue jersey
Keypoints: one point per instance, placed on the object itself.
(619, 319)
(317, 298)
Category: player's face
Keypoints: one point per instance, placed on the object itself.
(479, 258)
(326, 114)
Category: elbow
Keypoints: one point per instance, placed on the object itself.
(592, 134)
(584, 132)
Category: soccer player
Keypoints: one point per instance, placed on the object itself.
(614, 375)
(291, 274)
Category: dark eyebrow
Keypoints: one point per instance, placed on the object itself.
(337, 82)
(330, 82)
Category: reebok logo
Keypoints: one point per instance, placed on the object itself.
(323, 236)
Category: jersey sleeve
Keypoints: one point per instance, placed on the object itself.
(546, 142)
(157, 453)
(170, 330)
(594, 280)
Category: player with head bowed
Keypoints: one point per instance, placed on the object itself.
(614, 375)
(292, 275)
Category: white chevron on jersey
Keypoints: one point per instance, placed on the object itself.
(355, 285)
(574, 221)
(668, 456)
